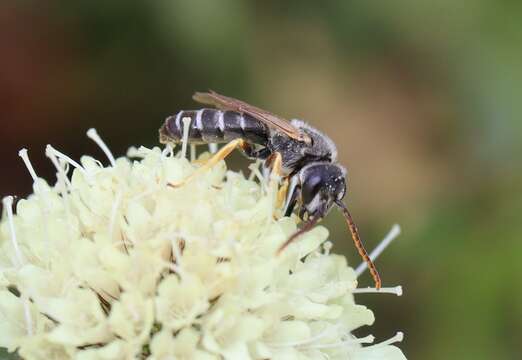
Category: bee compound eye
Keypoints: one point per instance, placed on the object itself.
(311, 186)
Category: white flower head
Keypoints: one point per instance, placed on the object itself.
(111, 263)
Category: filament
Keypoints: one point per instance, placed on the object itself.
(27, 316)
(50, 150)
(397, 290)
(8, 206)
(365, 340)
(192, 152)
(186, 128)
(394, 233)
(398, 337)
(322, 334)
(213, 148)
(61, 174)
(93, 134)
(66, 183)
(167, 151)
(114, 212)
(25, 157)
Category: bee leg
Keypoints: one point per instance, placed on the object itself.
(281, 194)
(246, 149)
(251, 153)
(293, 195)
(275, 163)
(217, 157)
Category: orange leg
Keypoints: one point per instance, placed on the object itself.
(281, 194)
(216, 158)
(275, 163)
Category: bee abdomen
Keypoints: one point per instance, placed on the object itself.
(214, 126)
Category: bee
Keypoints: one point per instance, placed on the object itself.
(298, 152)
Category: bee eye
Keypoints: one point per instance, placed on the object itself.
(311, 187)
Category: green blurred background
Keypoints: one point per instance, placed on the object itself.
(422, 98)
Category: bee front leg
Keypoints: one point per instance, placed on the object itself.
(217, 157)
(294, 193)
(281, 194)
(274, 162)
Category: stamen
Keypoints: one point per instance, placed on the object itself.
(167, 151)
(140, 196)
(133, 152)
(254, 170)
(322, 334)
(139, 153)
(61, 174)
(25, 157)
(66, 185)
(27, 315)
(114, 212)
(49, 151)
(213, 148)
(394, 232)
(397, 290)
(327, 247)
(93, 135)
(398, 337)
(186, 128)
(45, 201)
(192, 152)
(177, 257)
(96, 161)
(8, 206)
(365, 340)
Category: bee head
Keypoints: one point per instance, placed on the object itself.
(322, 185)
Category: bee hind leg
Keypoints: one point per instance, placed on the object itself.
(216, 158)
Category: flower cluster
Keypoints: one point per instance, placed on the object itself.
(110, 263)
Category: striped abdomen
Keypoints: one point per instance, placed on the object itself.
(214, 126)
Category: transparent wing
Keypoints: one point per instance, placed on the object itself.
(227, 103)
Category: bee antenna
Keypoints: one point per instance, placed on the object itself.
(359, 245)
(306, 227)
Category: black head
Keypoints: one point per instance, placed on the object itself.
(322, 185)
